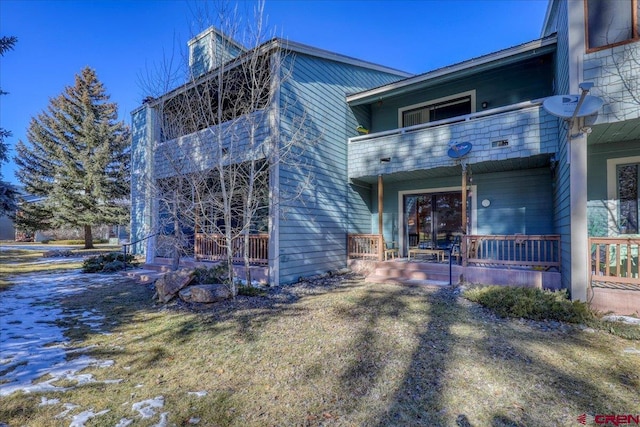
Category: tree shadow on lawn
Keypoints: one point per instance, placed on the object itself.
(513, 380)
(125, 302)
(567, 374)
(418, 401)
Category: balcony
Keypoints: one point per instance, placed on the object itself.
(519, 131)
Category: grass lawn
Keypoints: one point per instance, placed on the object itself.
(347, 354)
(19, 259)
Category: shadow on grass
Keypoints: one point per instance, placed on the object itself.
(418, 401)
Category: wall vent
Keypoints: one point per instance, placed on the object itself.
(501, 143)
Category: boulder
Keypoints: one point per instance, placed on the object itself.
(205, 293)
(170, 284)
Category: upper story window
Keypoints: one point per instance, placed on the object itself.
(611, 23)
(438, 109)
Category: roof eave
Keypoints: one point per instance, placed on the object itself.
(332, 56)
(540, 45)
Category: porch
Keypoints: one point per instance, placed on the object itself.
(523, 260)
(614, 280)
(213, 247)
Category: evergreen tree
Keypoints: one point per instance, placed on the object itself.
(77, 158)
(8, 193)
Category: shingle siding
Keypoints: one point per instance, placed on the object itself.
(616, 79)
(530, 132)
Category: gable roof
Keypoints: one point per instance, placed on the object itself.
(470, 66)
(274, 44)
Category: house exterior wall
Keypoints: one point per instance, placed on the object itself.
(561, 203)
(359, 207)
(602, 210)
(616, 79)
(141, 172)
(521, 202)
(526, 80)
(597, 164)
(313, 226)
(7, 228)
(209, 49)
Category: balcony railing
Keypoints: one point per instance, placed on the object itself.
(506, 251)
(519, 250)
(213, 247)
(614, 261)
(458, 119)
(515, 131)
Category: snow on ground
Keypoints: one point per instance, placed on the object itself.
(31, 343)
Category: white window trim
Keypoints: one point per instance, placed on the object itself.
(474, 206)
(470, 93)
(612, 188)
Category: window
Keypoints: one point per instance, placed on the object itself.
(438, 109)
(628, 195)
(611, 23)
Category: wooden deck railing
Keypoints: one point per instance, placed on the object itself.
(366, 246)
(212, 247)
(614, 260)
(520, 250)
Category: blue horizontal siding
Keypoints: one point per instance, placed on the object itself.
(313, 227)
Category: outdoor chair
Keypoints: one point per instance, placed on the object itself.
(390, 249)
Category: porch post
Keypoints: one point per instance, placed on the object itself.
(578, 203)
(380, 209)
(464, 198)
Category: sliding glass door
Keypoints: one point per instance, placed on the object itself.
(433, 220)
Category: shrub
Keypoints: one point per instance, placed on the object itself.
(531, 303)
(213, 275)
(108, 263)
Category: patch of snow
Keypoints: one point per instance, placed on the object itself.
(44, 401)
(124, 422)
(164, 421)
(624, 319)
(32, 345)
(147, 408)
(194, 420)
(80, 419)
(68, 408)
(197, 393)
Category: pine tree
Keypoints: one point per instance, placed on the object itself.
(77, 158)
(8, 193)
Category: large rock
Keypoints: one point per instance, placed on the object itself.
(170, 284)
(205, 293)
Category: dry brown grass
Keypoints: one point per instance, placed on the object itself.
(346, 354)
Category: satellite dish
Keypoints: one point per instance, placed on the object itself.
(564, 106)
(459, 149)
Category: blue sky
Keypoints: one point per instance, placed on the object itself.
(121, 39)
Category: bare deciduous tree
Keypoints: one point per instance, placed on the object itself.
(220, 141)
